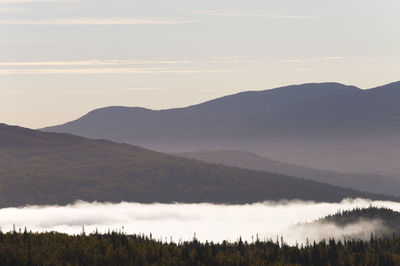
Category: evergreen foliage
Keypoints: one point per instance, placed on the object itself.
(52, 248)
(389, 218)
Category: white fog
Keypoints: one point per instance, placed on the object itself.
(181, 221)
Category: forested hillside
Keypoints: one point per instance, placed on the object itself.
(51, 168)
(370, 183)
(119, 249)
(389, 218)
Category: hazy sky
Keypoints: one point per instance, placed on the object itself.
(60, 59)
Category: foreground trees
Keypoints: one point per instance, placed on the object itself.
(25, 248)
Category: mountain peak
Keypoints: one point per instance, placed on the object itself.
(317, 88)
(274, 97)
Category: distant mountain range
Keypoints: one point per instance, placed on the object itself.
(52, 168)
(327, 126)
(247, 160)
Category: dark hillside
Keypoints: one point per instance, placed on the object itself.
(389, 217)
(369, 183)
(52, 168)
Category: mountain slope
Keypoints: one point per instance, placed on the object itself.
(369, 183)
(327, 126)
(51, 168)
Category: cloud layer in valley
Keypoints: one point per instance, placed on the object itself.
(208, 221)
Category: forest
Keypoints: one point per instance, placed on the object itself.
(389, 217)
(39, 168)
(117, 248)
(23, 247)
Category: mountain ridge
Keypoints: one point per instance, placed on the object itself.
(329, 126)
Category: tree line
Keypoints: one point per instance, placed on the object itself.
(117, 248)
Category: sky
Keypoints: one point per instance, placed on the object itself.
(60, 59)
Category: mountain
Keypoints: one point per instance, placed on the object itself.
(327, 126)
(370, 183)
(52, 168)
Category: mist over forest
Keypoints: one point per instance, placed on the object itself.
(207, 222)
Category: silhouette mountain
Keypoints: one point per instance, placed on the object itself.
(53, 168)
(328, 126)
(369, 183)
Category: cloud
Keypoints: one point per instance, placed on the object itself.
(97, 21)
(7, 9)
(99, 63)
(332, 58)
(50, 71)
(35, 1)
(151, 66)
(305, 69)
(209, 221)
(210, 60)
(231, 13)
(80, 92)
(215, 64)
(142, 89)
(213, 60)
(311, 59)
(367, 59)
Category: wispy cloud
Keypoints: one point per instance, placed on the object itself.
(10, 9)
(312, 59)
(142, 89)
(212, 60)
(99, 62)
(97, 21)
(209, 60)
(231, 13)
(36, 92)
(367, 59)
(81, 92)
(149, 66)
(35, 1)
(50, 71)
(305, 69)
(215, 64)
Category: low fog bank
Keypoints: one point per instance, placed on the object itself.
(317, 231)
(208, 221)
